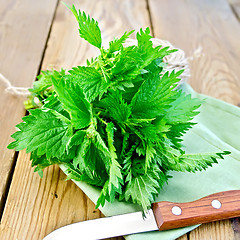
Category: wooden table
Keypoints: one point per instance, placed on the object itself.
(37, 35)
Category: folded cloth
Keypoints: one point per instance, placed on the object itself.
(218, 129)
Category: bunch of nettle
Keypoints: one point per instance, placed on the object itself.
(116, 123)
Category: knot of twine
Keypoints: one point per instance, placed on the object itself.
(175, 61)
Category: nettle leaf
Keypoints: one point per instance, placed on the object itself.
(117, 43)
(126, 62)
(90, 80)
(93, 152)
(53, 103)
(84, 175)
(196, 162)
(155, 95)
(118, 109)
(183, 108)
(146, 50)
(88, 28)
(45, 80)
(75, 102)
(115, 175)
(76, 139)
(43, 132)
(143, 189)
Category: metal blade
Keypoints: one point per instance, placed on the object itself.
(106, 227)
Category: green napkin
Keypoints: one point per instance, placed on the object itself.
(217, 130)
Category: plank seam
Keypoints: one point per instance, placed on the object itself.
(150, 18)
(48, 36)
(235, 13)
(8, 184)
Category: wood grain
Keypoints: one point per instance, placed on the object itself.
(212, 27)
(35, 206)
(235, 5)
(184, 237)
(221, 230)
(24, 27)
(199, 211)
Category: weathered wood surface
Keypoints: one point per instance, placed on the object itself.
(24, 28)
(37, 206)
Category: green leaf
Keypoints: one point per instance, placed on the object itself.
(182, 109)
(155, 95)
(125, 62)
(146, 50)
(90, 80)
(115, 175)
(88, 28)
(76, 139)
(53, 103)
(104, 195)
(196, 162)
(117, 108)
(45, 80)
(75, 102)
(43, 132)
(85, 175)
(116, 44)
(42, 162)
(150, 153)
(143, 189)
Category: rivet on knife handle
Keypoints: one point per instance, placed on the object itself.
(214, 207)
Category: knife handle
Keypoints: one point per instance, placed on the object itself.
(214, 207)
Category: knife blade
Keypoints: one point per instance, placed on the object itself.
(163, 216)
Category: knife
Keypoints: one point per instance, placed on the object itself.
(163, 216)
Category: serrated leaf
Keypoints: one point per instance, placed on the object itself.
(88, 28)
(53, 103)
(76, 139)
(45, 80)
(155, 95)
(43, 132)
(104, 195)
(75, 102)
(85, 175)
(196, 162)
(116, 44)
(126, 61)
(90, 80)
(182, 109)
(115, 175)
(142, 189)
(146, 50)
(117, 108)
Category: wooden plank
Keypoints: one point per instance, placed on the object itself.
(211, 26)
(24, 27)
(184, 237)
(235, 5)
(236, 227)
(37, 206)
(221, 230)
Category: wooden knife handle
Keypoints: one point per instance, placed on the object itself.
(214, 207)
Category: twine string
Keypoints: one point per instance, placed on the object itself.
(16, 91)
